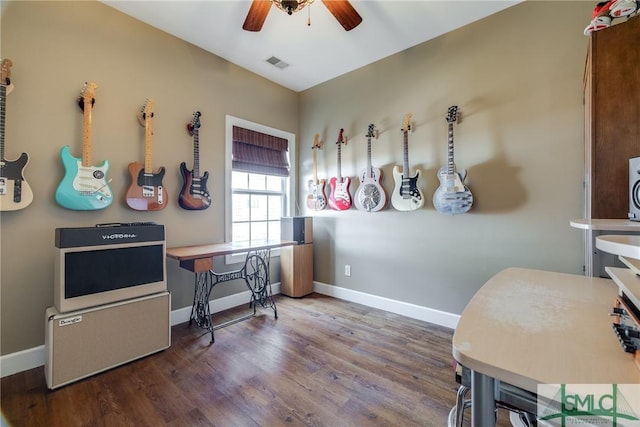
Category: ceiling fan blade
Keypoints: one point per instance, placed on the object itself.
(257, 15)
(344, 13)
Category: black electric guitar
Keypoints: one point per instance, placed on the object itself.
(15, 193)
(452, 196)
(407, 195)
(316, 200)
(370, 195)
(194, 194)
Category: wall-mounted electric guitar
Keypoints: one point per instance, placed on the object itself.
(316, 199)
(84, 186)
(15, 192)
(407, 195)
(340, 198)
(194, 195)
(452, 196)
(370, 195)
(146, 192)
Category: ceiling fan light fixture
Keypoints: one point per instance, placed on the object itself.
(291, 6)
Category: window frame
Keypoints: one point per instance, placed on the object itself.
(290, 181)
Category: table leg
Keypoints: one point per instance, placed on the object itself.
(256, 274)
(483, 402)
(200, 312)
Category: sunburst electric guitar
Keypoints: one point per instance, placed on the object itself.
(15, 192)
(452, 196)
(84, 186)
(316, 200)
(194, 195)
(407, 195)
(146, 192)
(340, 198)
(370, 195)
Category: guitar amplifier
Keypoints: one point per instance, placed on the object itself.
(298, 228)
(634, 189)
(82, 343)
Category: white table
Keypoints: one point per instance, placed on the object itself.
(528, 327)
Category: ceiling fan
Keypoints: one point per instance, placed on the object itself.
(341, 9)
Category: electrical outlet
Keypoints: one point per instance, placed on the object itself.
(347, 270)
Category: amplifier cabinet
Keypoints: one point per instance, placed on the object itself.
(634, 189)
(82, 343)
(298, 228)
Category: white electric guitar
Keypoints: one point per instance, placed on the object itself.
(452, 196)
(15, 192)
(370, 195)
(407, 195)
(316, 200)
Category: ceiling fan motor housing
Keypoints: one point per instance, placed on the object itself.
(289, 5)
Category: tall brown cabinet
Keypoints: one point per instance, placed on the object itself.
(611, 137)
(612, 117)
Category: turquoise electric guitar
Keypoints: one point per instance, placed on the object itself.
(84, 186)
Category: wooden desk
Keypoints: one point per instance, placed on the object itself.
(255, 272)
(528, 327)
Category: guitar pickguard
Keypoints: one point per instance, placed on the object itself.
(407, 195)
(83, 188)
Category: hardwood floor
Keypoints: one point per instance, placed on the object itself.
(323, 362)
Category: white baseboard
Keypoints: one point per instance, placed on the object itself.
(34, 357)
(413, 311)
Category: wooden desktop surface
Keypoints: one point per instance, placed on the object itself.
(183, 253)
(528, 327)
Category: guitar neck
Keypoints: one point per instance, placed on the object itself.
(86, 133)
(315, 167)
(196, 153)
(339, 161)
(450, 163)
(369, 169)
(405, 170)
(3, 97)
(147, 144)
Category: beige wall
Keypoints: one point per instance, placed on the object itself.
(517, 78)
(57, 46)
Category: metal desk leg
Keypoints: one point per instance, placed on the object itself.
(483, 401)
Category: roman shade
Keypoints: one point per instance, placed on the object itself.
(257, 152)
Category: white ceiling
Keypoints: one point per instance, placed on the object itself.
(315, 53)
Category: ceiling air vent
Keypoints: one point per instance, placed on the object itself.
(276, 62)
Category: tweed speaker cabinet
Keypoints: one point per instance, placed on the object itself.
(83, 343)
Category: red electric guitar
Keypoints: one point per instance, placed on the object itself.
(340, 198)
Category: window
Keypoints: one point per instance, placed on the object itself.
(258, 193)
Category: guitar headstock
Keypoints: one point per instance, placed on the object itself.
(341, 138)
(5, 73)
(316, 143)
(406, 125)
(452, 114)
(372, 132)
(195, 123)
(88, 95)
(146, 112)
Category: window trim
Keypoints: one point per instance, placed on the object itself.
(290, 183)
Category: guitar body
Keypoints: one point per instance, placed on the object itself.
(340, 198)
(15, 192)
(407, 195)
(83, 188)
(452, 196)
(146, 192)
(370, 195)
(194, 195)
(316, 200)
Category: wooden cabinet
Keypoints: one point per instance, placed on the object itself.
(612, 117)
(296, 274)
